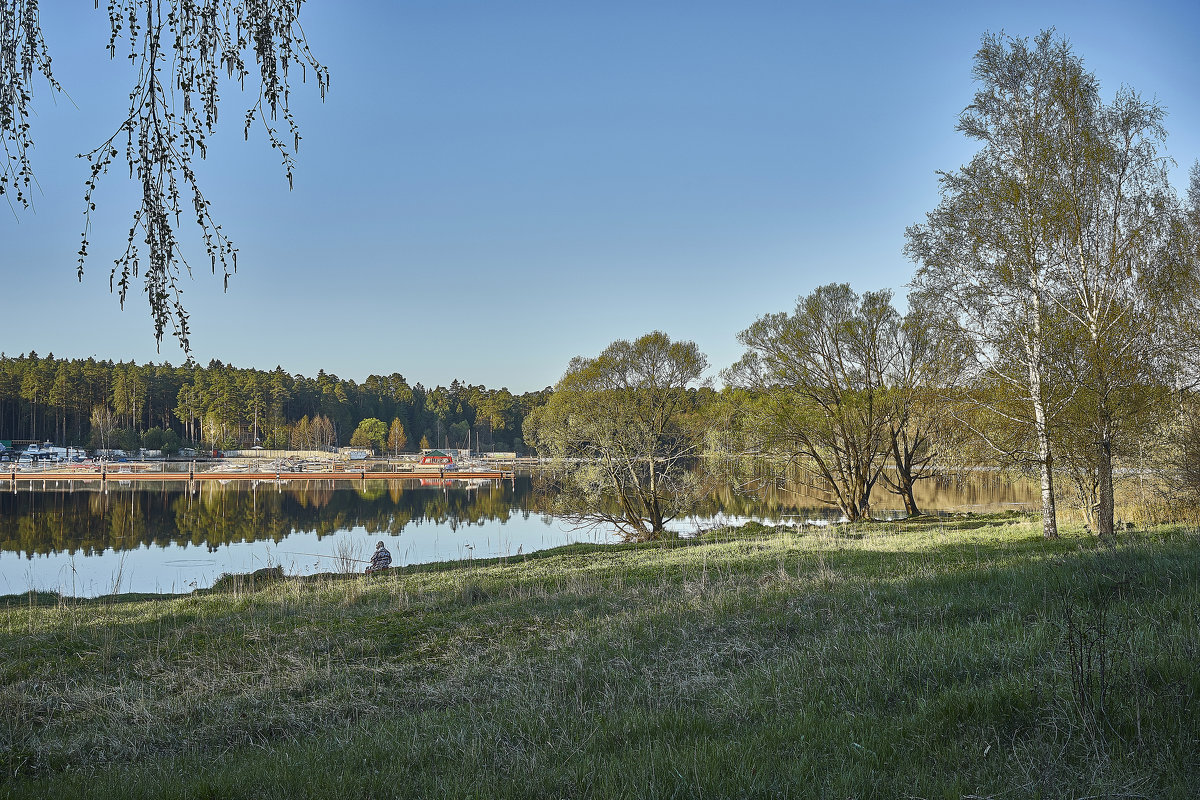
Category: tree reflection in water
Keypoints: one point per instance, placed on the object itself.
(85, 519)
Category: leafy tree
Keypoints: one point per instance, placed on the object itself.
(103, 427)
(424, 443)
(253, 391)
(170, 442)
(1126, 278)
(397, 439)
(323, 433)
(34, 385)
(618, 430)
(127, 439)
(460, 433)
(279, 391)
(927, 365)
(62, 391)
(177, 51)
(152, 439)
(500, 413)
(985, 254)
(821, 371)
(302, 438)
(371, 433)
(440, 402)
(1061, 251)
(188, 409)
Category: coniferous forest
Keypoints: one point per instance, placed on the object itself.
(98, 403)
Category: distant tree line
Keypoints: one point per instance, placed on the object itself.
(106, 404)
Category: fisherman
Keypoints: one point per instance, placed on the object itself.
(381, 560)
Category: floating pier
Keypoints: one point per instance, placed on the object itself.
(339, 475)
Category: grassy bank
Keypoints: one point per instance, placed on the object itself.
(927, 659)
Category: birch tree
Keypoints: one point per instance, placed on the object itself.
(1062, 253)
(178, 52)
(1126, 282)
(987, 252)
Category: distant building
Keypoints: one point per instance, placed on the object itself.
(436, 458)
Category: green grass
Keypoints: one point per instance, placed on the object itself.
(935, 659)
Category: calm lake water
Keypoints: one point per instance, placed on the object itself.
(84, 539)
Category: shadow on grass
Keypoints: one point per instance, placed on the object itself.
(740, 663)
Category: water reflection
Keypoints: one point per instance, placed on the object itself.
(82, 538)
(88, 519)
(763, 492)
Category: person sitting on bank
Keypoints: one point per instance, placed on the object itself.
(381, 560)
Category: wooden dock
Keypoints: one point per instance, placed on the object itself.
(341, 475)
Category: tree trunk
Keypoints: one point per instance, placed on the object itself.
(864, 502)
(904, 478)
(859, 500)
(1049, 514)
(910, 502)
(655, 509)
(1045, 457)
(1104, 476)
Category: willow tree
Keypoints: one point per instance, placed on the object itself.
(176, 51)
(620, 435)
(822, 373)
(924, 368)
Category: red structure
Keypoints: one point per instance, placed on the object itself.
(436, 458)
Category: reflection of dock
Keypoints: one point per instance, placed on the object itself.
(224, 477)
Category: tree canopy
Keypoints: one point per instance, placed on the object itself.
(1055, 253)
(618, 430)
(113, 404)
(823, 370)
(371, 432)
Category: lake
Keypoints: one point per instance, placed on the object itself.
(84, 538)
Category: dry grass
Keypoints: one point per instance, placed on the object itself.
(928, 659)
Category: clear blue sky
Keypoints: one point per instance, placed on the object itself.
(493, 188)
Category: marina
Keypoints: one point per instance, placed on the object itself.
(105, 475)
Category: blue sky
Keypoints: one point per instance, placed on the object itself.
(493, 188)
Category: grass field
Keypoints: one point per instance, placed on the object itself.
(935, 658)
